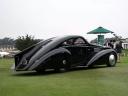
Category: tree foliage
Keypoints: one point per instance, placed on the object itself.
(22, 42)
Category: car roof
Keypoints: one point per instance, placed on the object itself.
(66, 37)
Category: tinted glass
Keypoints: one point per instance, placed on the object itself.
(79, 41)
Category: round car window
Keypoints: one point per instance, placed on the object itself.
(79, 41)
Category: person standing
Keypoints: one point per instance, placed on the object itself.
(118, 48)
(110, 45)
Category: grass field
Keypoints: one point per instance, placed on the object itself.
(103, 81)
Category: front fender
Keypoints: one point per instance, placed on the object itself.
(99, 55)
(46, 56)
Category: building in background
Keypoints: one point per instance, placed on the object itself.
(7, 48)
(125, 43)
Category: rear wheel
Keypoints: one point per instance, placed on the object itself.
(66, 64)
(112, 59)
(63, 65)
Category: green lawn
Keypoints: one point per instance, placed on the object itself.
(104, 81)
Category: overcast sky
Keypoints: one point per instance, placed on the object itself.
(49, 18)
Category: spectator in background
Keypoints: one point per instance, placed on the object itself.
(118, 48)
(110, 45)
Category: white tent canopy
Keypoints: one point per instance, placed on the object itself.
(2, 54)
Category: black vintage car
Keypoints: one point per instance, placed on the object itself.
(64, 52)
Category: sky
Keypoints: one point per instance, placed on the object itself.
(49, 18)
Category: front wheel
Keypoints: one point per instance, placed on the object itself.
(112, 59)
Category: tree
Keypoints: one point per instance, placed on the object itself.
(22, 42)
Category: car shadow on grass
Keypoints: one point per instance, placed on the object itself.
(50, 72)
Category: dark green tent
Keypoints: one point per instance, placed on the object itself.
(100, 30)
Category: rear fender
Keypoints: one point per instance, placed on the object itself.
(99, 55)
(46, 56)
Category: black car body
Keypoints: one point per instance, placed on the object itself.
(63, 52)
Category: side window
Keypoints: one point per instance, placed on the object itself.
(74, 41)
(79, 41)
(68, 42)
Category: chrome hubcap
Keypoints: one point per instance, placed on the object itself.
(112, 60)
(64, 62)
